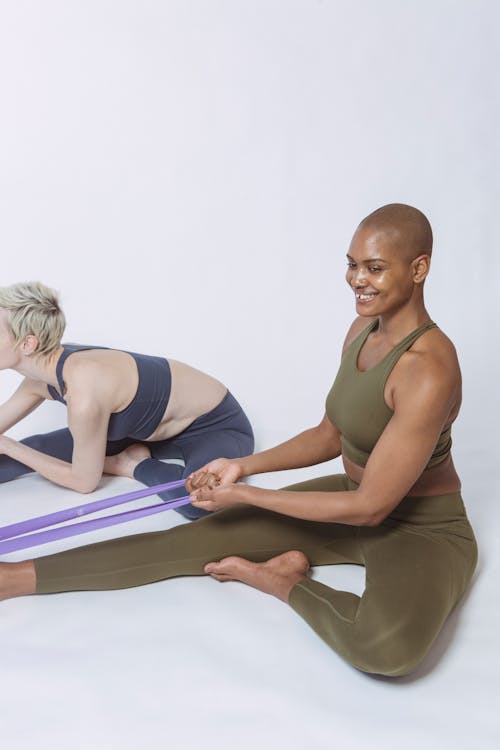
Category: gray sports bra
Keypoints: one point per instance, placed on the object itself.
(144, 413)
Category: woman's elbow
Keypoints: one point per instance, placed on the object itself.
(371, 515)
(84, 486)
(373, 519)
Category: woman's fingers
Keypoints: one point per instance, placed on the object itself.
(212, 481)
(202, 494)
(214, 473)
(211, 499)
(198, 479)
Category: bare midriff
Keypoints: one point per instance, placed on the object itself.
(192, 394)
(439, 480)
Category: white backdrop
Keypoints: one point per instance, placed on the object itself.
(188, 173)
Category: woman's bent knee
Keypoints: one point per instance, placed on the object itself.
(397, 658)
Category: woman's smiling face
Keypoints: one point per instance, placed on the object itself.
(379, 272)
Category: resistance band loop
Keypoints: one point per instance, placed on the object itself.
(40, 522)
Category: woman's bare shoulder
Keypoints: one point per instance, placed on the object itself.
(431, 361)
(439, 349)
(98, 376)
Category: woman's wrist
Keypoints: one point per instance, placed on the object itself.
(243, 466)
(250, 495)
(4, 443)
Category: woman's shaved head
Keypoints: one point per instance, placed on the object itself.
(403, 227)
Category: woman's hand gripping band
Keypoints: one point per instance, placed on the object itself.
(214, 487)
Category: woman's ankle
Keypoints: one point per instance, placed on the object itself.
(17, 579)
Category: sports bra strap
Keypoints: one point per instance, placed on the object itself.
(409, 340)
(67, 350)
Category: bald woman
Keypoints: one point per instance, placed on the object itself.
(397, 509)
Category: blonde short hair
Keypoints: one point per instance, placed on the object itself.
(33, 309)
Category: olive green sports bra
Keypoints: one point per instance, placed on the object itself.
(356, 404)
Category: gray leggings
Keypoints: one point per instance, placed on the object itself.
(224, 431)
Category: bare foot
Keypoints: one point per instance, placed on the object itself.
(125, 463)
(277, 576)
(17, 579)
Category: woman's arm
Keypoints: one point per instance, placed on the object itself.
(313, 446)
(25, 399)
(424, 399)
(88, 417)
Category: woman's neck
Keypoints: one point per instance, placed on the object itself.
(40, 368)
(399, 324)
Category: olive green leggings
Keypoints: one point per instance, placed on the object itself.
(418, 563)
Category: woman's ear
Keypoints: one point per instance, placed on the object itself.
(421, 267)
(29, 345)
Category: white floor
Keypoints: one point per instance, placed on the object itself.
(171, 163)
(191, 663)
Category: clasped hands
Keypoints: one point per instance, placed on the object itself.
(214, 487)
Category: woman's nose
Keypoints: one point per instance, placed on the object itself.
(358, 277)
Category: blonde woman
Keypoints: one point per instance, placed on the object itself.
(147, 417)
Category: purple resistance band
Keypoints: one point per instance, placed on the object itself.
(40, 522)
